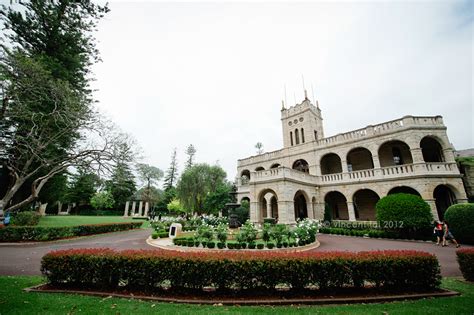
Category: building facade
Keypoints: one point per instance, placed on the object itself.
(351, 171)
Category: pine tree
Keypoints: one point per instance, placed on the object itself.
(190, 152)
(172, 172)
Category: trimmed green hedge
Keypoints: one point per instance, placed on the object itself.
(460, 218)
(39, 233)
(466, 262)
(422, 235)
(150, 270)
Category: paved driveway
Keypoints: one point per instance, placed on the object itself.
(25, 259)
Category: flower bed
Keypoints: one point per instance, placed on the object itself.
(466, 262)
(37, 233)
(149, 270)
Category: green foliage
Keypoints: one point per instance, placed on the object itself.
(175, 206)
(39, 233)
(465, 259)
(190, 152)
(197, 182)
(279, 232)
(221, 232)
(242, 213)
(216, 200)
(266, 232)
(405, 212)
(327, 213)
(82, 187)
(205, 232)
(122, 184)
(102, 200)
(26, 218)
(460, 218)
(172, 173)
(161, 205)
(247, 233)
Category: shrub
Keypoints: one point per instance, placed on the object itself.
(154, 235)
(221, 232)
(252, 245)
(40, 233)
(260, 245)
(197, 243)
(211, 244)
(26, 218)
(404, 212)
(269, 221)
(270, 245)
(105, 269)
(220, 245)
(230, 245)
(248, 233)
(190, 243)
(460, 218)
(266, 232)
(466, 263)
(278, 232)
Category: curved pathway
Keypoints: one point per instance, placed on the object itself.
(25, 259)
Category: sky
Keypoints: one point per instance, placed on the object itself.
(213, 74)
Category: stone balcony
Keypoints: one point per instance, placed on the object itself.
(383, 173)
(401, 124)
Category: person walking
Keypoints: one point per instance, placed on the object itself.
(448, 235)
(438, 232)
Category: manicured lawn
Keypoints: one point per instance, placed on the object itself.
(72, 220)
(15, 301)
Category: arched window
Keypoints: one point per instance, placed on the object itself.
(297, 136)
(291, 137)
(302, 135)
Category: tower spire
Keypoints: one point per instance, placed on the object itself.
(283, 105)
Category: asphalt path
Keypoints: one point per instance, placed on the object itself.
(25, 259)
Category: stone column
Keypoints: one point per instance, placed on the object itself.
(449, 155)
(350, 209)
(254, 212)
(140, 208)
(269, 209)
(125, 211)
(417, 155)
(147, 207)
(134, 205)
(344, 166)
(309, 209)
(375, 159)
(286, 212)
(434, 210)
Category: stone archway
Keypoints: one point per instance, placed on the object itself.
(431, 149)
(331, 164)
(301, 165)
(444, 197)
(359, 159)
(337, 202)
(403, 190)
(267, 204)
(393, 153)
(274, 207)
(364, 204)
(301, 205)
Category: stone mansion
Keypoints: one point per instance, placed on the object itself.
(351, 171)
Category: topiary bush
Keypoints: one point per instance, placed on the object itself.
(460, 218)
(466, 262)
(405, 213)
(26, 218)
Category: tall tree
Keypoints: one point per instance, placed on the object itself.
(196, 183)
(190, 152)
(45, 95)
(149, 175)
(171, 173)
(259, 147)
(83, 186)
(122, 184)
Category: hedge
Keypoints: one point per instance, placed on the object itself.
(37, 233)
(150, 270)
(424, 234)
(460, 218)
(466, 262)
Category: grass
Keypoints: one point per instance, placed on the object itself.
(15, 301)
(72, 220)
